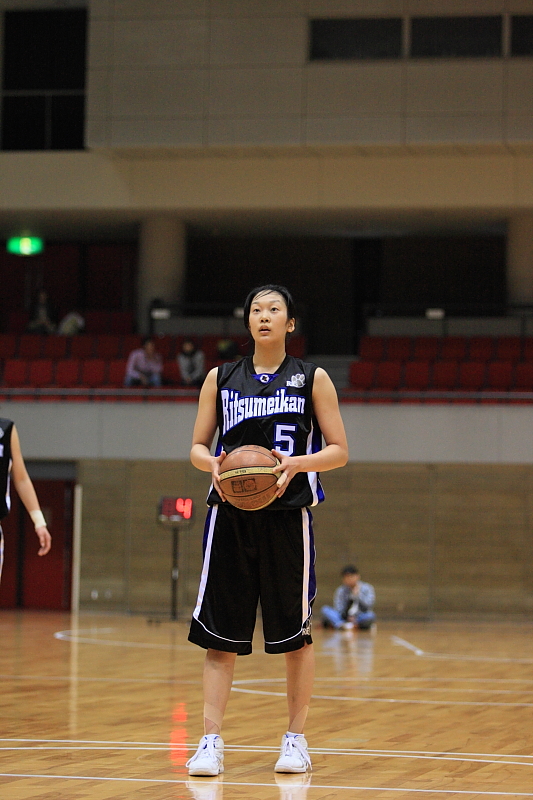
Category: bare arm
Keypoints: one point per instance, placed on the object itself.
(26, 491)
(204, 431)
(335, 453)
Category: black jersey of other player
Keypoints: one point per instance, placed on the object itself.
(6, 426)
(274, 411)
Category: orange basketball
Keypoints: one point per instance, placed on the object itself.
(247, 479)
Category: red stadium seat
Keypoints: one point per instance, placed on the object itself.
(481, 348)
(55, 347)
(524, 377)
(82, 346)
(129, 343)
(8, 345)
(453, 348)
(444, 378)
(171, 374)
(165, 346)
(40, 372)
(116, 372)
(471, 376)
(527, 349)
(500, 376)
(30, 345)
(388, 375)
(15, 372)
(426, 348)
(67, 373)
(416, 375)
(399, 348)
(108, 345)
(372, 348)
(362, 374)
(508, 348)
(296, 346)
(93, 372)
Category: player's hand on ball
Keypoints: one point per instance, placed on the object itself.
(216, 474)
(289, 466)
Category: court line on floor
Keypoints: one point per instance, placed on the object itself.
(457, 656)
(477, 792)
(73, 636)
(81, 744)
(391, 700)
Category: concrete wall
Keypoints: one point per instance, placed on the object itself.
(226, 73)
(487, 434)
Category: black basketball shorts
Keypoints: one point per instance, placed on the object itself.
(253, 557)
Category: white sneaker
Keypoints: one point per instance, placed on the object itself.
(294, 756)
(209, 758)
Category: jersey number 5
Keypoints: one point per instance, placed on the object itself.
(284, 439)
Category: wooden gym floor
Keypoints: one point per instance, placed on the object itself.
(109, 707)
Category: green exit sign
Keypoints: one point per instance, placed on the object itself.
(25, 245)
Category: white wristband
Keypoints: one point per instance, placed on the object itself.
(38, 519)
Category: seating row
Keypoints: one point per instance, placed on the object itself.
(448, 376)
(446, 348)
(118, 322)
(73, 372)
(110, 346)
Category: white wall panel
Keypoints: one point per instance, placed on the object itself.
(256, 8)
(520, 86)
(159, 9)
(454, 87)
(354, 90)
(356, 8)
(154, 132)
(254, 41)
(472, 129)
(255, 91)
(267, 130)
(165, 93)
(347, 130)
(159, 43)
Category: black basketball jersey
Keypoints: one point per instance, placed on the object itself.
(6, 426)
(274, 411)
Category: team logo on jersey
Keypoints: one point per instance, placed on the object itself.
(266, 377)
(236, 409)
(297, 381)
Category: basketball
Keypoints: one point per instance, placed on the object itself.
(247, 479)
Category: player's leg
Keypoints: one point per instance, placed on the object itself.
(218, 677)
(300, 667)
(288, 588)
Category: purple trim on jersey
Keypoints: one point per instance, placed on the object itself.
(312, 574)
(207, 528)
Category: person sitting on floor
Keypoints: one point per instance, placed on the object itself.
(352, 603)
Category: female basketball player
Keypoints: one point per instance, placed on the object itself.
(265, 555)
(12, 466)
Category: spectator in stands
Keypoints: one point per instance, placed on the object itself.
(144, 365)
(352, 603)
(41, 314)
(71, 324)
(191, 362)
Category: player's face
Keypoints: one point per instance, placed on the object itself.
(268, 320)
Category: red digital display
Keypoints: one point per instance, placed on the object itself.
(175, 509)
